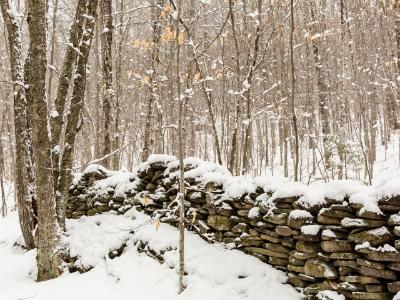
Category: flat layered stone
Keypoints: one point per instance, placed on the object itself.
(322, 219)
(329, 234)
(360, 279)
(372, 288)
(297, 269)
(371, 296)
(266, 252)
(302, 255)
(277, 219)
(307, 247)
(394, 266)
(296, 262)
(344, 256)
(277, 248)
(271, 239)
(385, 274)
(240, 228)
(297, 218)
(375, 237)
(351, 287)
(343, 271)
(334, 213)
(249, 241)
(286, 231)
(346, 263)
(380, 255)
(361, 223)
(219, 222)
(336, 246)
(389, 208)
(295, 280)
(370, 264)
(276, 261)
(318, 268)
(394, 287)
(365, 214)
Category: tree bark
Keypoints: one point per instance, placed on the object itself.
(107, 68)
(74, 118)
(23, 161)
(46, 237)
(65, 80)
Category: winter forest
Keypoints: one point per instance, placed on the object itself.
(214, 149)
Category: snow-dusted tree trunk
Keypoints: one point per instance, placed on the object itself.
(74, 118)
(3, 208)
(23, 160)
(108, 95)
(181, 193)
(152, 82)
(64, 83)
(293, 89)
(316, 26)
(47, 240)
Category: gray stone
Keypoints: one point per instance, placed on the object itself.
(317, 268)
(219, 222)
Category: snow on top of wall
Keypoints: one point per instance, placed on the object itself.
(385, 186)
(276, 186)
(318, 192)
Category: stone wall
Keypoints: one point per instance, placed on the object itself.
(334, 245)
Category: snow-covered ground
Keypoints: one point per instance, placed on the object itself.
(214, 272)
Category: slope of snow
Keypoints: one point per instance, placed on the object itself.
(213, 271)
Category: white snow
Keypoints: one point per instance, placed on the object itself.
(299, 214)
(330, 295)
(254, 213)
(310, 229)
(214, 272)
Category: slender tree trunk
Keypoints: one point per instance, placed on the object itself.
(52, 50)
(181, 155)
(25, 189)
(64, 83)
(233, 154)
(148, 141)
(3, 209)
(46, 237)
(322, 87)
(74, 118)
(108, 96)
(292, 106)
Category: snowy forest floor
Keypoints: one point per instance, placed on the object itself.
(214, 272)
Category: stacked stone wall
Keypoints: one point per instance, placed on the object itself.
(337, 245)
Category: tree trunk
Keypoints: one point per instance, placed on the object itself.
(108, 96)
(65, 80)
(23, 161)
(74, 116)
(322, 87)
(46, 237)
(293, 79)
(148, 141)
